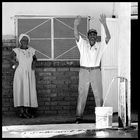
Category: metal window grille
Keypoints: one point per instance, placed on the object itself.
(51, 36)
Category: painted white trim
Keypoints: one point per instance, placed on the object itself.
(50, 16)
(40, 38)
(65, 38)
(32, 17)
(50, 38)
(43, 59)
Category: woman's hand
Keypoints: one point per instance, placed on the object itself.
(33, 65)
(15, 65)
(34, 62)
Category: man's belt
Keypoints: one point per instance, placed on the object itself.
(90, 68)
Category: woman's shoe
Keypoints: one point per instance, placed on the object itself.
(21, 115)
(30, 115)
(26, 116)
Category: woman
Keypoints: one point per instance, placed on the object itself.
(24, 84)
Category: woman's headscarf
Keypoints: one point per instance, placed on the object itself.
(22, 35)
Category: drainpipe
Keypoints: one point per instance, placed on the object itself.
(123, 101)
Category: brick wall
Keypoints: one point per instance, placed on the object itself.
(57, 85)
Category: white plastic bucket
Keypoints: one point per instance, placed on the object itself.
(103, 117)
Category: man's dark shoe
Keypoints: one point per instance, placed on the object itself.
(78, 120)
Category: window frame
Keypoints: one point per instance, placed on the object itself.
(17, 17)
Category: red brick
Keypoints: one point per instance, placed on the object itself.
(56, 107)
(51, 112)
(53, 95)
(7, 65)
(8, 44)
(5, 53)
(49, 69)
(63, 103)
(74, 69)
(63, 112)
(57, 99)
(62, 69)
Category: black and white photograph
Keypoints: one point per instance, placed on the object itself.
(66, 70)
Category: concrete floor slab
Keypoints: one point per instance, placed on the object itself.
(85, 130)
(63, 127)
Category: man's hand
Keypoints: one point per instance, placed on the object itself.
(77, 20)
(76, 23)
(103, 19)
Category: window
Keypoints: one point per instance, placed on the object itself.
(52, 37)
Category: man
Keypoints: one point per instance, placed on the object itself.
(90, 56)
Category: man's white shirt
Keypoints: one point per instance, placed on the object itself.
(90, 56)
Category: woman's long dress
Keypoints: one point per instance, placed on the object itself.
(24, 84)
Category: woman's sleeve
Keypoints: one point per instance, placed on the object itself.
(15, 50)
(32, 50)
(15, 54)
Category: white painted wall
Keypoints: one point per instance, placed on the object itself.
(124, 47)
(93, 9)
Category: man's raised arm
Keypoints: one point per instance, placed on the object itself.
(76, 23)
(103, 21)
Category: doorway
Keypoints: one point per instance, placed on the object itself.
(134, 64)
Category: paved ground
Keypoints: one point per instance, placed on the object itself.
(85, 130)
(63, 127)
